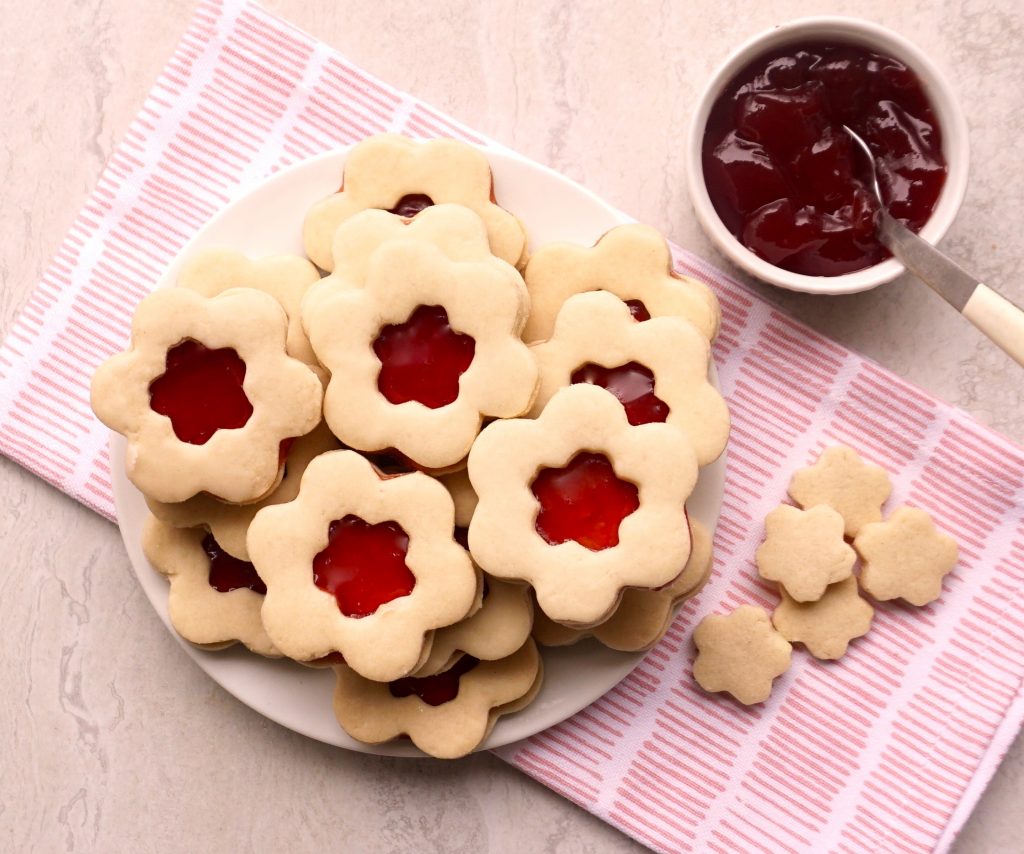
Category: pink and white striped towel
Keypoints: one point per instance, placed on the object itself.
(887, 750)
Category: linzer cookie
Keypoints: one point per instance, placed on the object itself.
(827, 626)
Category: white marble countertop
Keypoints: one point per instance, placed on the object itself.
(112, 739)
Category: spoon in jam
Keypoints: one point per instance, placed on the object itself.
(993, 314)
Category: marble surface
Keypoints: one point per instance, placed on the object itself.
(111, 739)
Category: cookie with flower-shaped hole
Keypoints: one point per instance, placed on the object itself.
(215, 599)
(206, 394)
(403, 176)
(448, 714)
(581, 504)
(424, 351)
(658, 370)
(631, 261)
(362, 564)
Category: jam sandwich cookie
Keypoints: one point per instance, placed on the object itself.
(396, 174)
(363, 564)
(206, 394)
(658, 370)
(631, 261)
(446, 715)
(827, 626)
(581, 504)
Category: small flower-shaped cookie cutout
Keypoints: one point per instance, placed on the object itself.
(446, 715)
(362, 564)
(804, 551)
(423, 352)
(844, 482)
(905, 557)
(206, 394)
(740, 653)
(215, 599)
(402, 176)
(657, 369)
(827, 626)
(631, 261)
(581, 504)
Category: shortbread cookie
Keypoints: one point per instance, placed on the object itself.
(396, 174)
(363, 564)
(740, 653)
(905, 557)
(581, 504)
(446, 715)
(206, 395)
(658, 370)
(631, 261)
(842, 480)
(215, 599)
(804, 551)
(462, 492)
(827, 626)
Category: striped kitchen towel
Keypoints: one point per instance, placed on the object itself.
(887, 750)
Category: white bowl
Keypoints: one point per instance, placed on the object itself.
(848, 31)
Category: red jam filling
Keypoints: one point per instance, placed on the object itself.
(632, 384)
(585, 502)
(227, 572)
(410, 205)
(363, 566)
(423, 358)
(783, 175)
(201, 391)
(434, 690)
(638, 310)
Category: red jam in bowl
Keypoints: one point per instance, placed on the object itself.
(783, 175)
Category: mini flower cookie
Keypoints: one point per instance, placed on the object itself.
(827, 626)
(843, 481)
(446, 715)
(363, 564)
(581, 504)
(396, 174)
(631, 261)
(657, 369)
(804, 551)
(214, 599)
(905, 557)
(206, 394)
(422, 352)
(740, 653)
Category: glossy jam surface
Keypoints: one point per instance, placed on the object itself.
(638, 310)
(363, 566)
(227, 572)
(423, 358)
(410, 205)
(785, 177)
(434, 690)
(201, 391)
(632, 384)
(585, 501)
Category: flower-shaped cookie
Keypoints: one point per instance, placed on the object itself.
(581, 504)
(362, 564)
(842, 480)
(827, 626)
(740, 653)
(214, 599)
(905, 557)
(631, 261)
(446, 715)
(396, 174)
(657, 369)
(804, 551)
(206, 394)
(422, 352)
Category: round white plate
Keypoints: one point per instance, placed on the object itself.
(268, 221)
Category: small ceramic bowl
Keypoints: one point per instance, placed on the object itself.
(850, 31)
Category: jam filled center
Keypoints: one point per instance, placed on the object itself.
(437, 689)
(228, 572)
(363, 566)
(632, 384)
(638, 310)
(423, 358)
(585, 501)
(201, 391)
(410, 205)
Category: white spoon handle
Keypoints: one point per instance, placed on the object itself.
(999, 319)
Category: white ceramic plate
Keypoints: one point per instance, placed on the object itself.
(267, 221)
